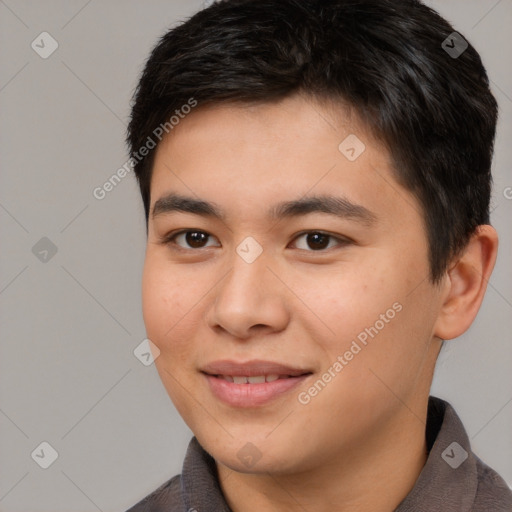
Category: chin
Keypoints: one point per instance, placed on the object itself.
(251, 457)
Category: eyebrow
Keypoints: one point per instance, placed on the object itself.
(332, 205)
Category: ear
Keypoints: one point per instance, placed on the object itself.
(466, 283)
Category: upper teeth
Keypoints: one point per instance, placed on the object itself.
(257, 379)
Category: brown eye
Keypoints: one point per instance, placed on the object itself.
(196, 238)
(190, 239)
(318, 241)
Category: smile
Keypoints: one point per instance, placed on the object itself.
(258, 379)
(251, 384)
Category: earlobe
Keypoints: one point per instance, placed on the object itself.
(466, 283)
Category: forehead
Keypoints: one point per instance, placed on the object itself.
(249, 156)
(290, 126)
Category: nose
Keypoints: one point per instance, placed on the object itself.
(250, 300)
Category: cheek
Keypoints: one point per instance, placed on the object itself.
(372, 319)
(167, 303)
(343, 304)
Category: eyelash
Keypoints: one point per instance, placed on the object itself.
(171, 237)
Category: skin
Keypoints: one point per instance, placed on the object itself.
(359, 444)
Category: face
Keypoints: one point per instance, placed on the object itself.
(286, 285)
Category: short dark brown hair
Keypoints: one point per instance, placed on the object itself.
(389, 60)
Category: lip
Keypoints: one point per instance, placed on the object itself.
(252, 368)
(252, 395)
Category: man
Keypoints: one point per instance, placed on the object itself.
(316, 181)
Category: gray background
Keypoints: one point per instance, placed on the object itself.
(68, 375)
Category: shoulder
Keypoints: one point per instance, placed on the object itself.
(196, 488)
(164, 499)
(492, 491)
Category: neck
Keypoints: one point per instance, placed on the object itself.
(376, 476)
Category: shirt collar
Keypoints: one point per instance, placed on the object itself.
(449, 479)
(447, 482)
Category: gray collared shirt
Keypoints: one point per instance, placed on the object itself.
(453, 479)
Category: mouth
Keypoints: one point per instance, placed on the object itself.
(254, 379)
(253, 383)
